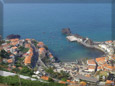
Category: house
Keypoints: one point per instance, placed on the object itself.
(21, 42)
(27, 45)
(91, 80)
(28, 57)
(37, 72)
(9, 69)
(112, 57)
(50, 55)
(28, 40)
(91, 68)
(99, 68)
(108, 67)
(40, 44)
(13, 49)
(71, 82)
(15, 53)
(109, 82)
(10, 61)
(27, 60)
(62, 82)
(13, 66)
(42, 51)
(20, 68)
(82, 83)
(88, 75)
(103, 46)
(45, 77)
(5, 47)
(108, 42)
(101, 60)
(14, 42)
(11, 56)
(91, 62)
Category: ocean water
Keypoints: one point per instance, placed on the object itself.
(44, 22)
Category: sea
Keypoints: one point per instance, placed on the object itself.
(44, 22)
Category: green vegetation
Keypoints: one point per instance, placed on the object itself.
(64, 79)
(3, 66)
(15, 70)
(50, 80)
(1, 42)
(23, 49)
(15, 81)
(103, 75)
(19, 61)
(4, 69)
(26, 71)
(8, 42)
(61, 76)
(4, 54)
(46, 47)
(35, 42)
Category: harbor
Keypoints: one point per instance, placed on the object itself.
(105, 47)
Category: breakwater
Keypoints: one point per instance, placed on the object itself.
(102, 46)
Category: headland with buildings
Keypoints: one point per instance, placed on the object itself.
(35, 55)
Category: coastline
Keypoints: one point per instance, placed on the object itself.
(37, 52)
(106, 47)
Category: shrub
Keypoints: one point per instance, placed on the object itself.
(23, 49)
(15, 81)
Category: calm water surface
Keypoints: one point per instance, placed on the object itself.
(44, 22)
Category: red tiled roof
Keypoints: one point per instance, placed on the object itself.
(28, 57)
(14, 41)
(109, 82)
(91, 67)
(50, 55)
(45, 77)
(91, 61)
(40, 44)
(62, 82)
(110, 41)
(101, 60)
(9, 60)
(41, 50)
(14, 47)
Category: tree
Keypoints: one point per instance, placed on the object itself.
(26, 71)
(50, 80)
(34, 42)
(4, 54)
(1, 42)
(23, 49)
(64, 79)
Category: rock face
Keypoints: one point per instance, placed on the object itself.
(66, 31)
(12, 36)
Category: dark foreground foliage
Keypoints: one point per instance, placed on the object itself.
(15, 81)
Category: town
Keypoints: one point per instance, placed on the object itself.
(32, 58)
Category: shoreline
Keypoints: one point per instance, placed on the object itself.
(105, 47)
(43, 58)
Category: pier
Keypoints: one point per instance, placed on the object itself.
(102, 46)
